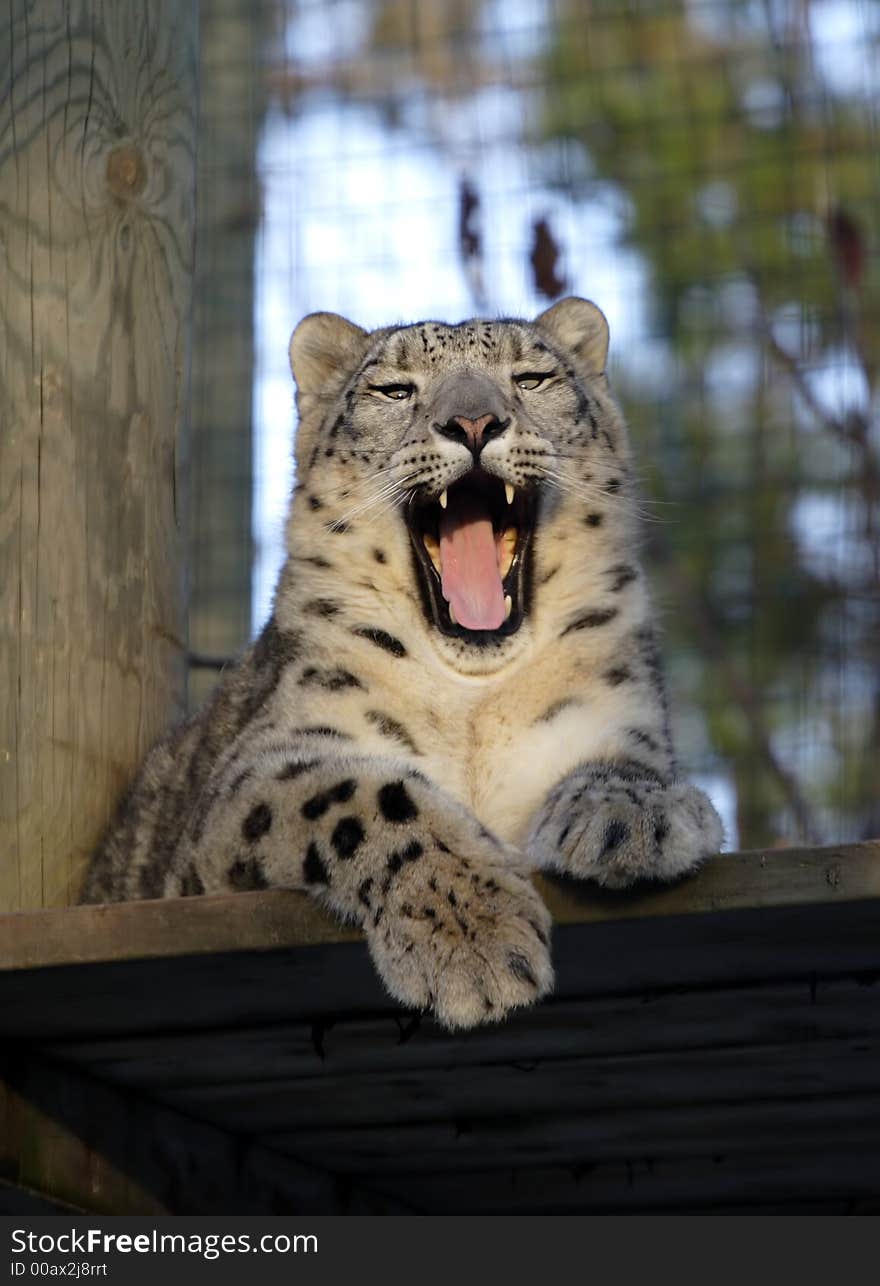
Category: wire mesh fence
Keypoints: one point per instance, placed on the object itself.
(709, 174)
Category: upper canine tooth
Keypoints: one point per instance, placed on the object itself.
(443, 498)
(508, 491)
(452, 616)
(508, 606)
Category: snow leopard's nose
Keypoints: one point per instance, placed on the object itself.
(469, 407)
(473, 433)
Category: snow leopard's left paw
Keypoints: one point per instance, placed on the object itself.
(605, 824)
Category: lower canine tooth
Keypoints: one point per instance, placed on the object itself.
(508, 491)
(451, 608)
(508, 606)
(443, 499)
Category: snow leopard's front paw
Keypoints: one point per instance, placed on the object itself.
(468, 939)
(607, 825)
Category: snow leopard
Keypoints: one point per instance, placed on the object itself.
(460, 681)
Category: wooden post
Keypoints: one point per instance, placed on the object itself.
(97, 185)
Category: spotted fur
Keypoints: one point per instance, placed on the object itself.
(408, 777)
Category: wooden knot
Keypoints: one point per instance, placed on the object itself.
(126, 171)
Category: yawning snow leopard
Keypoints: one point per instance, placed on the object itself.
(459, 681)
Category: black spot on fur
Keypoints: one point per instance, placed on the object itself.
(314, 560)
(556, 708)
(548, 576)
(387, 642)
(643, 738)
(191, 883)
(322, 607)
(539, 933)
(236, 784)
(317, 806)
(319, 730)
(616, 832)
(411, 853)
(257, 822)
(296, 769)
(631, 770)
(620, 576)
(593, 520)
(347, 837)
(314, 868)
(661, 828)
(274, 650)
(391, 728)
(246, 874)
(330, 680)
(591, 620)
(379, 556)
(151, 880)
(315, 503)
(396, 803)
(612, 486)
(519, 966)
(364, 891)
(619, 674)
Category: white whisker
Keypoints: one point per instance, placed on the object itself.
(386, 497)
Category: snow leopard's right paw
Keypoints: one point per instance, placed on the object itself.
(468, 940)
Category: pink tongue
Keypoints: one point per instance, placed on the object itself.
(469, 564)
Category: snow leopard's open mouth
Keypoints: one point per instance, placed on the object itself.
(472, 549)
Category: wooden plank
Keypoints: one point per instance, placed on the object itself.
(317, 1055)
(535, 1135)
(82, 1143)
(729, 882)
(473, 1096)
(188, 993)
(323, 982)
(15, 1200)
(165, 929)
(97, 168)
(280, 918)
(788, 1181)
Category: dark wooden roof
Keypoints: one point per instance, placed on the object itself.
(712, 1045)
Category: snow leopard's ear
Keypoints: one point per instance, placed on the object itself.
(324, 350)
(579, 327)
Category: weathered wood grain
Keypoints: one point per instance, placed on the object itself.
(828, 1180)
(347, 1050)
(297, 1113)
(97, 109)
(535, 1136)
(281, 918)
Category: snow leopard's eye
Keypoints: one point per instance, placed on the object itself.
(393, 392)
(532, 379)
